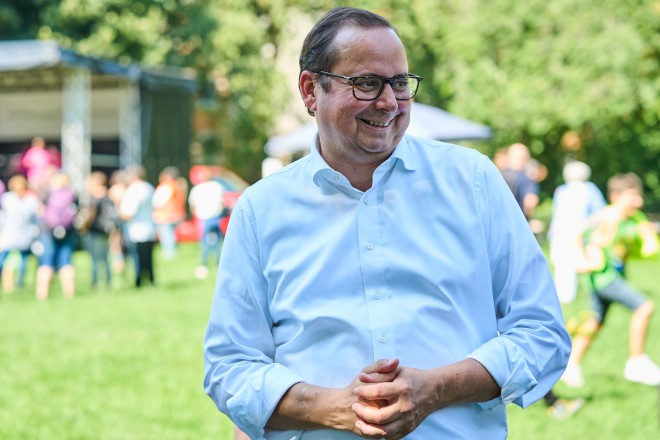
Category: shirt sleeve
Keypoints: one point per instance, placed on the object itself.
(532, 347)
(161, 196)
(240, 373)
(129, 203)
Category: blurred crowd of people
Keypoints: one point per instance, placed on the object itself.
(116, 219)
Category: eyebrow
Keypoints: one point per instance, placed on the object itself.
(380, 76)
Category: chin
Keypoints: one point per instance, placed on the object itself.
(380, 145)
(377, 149)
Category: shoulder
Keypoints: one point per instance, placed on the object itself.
(139, 189)
(8, 196)
(438, 157)
(440, 148)
(294, 176)
(459, 171)
(560, 190)
(147, 187)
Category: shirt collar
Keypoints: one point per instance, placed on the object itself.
(402, 154)
(317, 160)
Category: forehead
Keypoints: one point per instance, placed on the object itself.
(361, 49)
(630, 192)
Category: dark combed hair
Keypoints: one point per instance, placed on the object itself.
(317, 52)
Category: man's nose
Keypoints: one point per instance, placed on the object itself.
(387, 99)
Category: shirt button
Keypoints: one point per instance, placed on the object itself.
(366, 201)
(370, 246)
(336, 177)
(383, 339)
(377, 295)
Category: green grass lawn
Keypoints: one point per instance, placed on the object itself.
(111, 364)
(615, 408)
(127, 364)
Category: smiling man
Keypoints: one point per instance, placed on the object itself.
(398, 292)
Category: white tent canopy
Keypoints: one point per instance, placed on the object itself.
(425, 121)
(81, 102)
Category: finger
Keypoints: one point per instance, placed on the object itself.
(382, 366)
(378, 377)
(384, 370)
(370, 431)
(377, 391)
(376, 416)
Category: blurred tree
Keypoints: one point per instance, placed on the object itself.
(232, 44)
(535, 70)
(20, 19)
(244, 77)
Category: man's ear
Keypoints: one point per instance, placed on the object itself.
(306, 85)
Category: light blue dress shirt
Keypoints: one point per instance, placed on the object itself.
(433, 264)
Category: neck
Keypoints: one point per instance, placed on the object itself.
(361, 179)
(359, 173)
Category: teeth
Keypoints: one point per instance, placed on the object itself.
(377, 124)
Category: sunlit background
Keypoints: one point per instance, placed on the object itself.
(209, 82)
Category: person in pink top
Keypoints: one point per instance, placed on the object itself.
(38, 166)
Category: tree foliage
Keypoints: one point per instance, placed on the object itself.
(535, 70)
(532, 70)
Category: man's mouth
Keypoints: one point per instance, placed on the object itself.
(376, 123)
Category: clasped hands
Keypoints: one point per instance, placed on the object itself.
(392, 400)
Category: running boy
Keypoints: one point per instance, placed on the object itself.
(612, 234)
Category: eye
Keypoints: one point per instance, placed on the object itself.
(400, 83)
(367, 84)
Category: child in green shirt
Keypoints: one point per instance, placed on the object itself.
(608, 240)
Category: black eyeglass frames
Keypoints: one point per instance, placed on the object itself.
(369, 88)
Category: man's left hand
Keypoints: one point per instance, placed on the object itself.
(407, 401)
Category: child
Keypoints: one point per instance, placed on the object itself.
(58, 237)
(609, 240)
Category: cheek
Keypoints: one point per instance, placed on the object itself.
(344, 113)
(404, 118)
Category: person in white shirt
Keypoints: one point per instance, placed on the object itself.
(19, 210)
(136, 210)
(572, 204)
(206, 204)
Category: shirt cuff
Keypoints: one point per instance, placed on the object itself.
(504, 361)
(253, 405)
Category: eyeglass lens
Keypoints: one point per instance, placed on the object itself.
(371, 88)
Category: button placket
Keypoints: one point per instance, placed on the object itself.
(372, 266)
